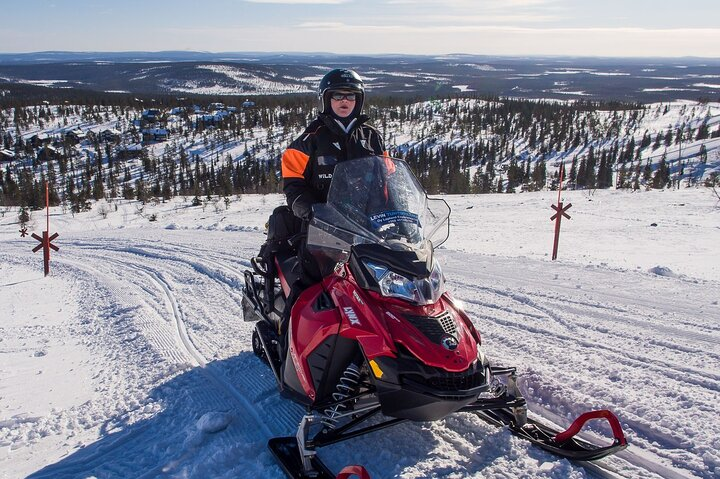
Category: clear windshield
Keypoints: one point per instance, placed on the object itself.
(377, 200)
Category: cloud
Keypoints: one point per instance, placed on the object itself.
(510, 18)
(339, 26)
(522, 40)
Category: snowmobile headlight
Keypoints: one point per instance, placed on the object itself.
(398, 286)
(377, 270)
(395, 285)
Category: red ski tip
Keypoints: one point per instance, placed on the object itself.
(350, 471)
(575, 427)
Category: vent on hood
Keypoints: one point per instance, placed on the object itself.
(434, 327)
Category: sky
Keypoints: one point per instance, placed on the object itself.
(622, 28)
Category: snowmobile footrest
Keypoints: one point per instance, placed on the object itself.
(287, 452)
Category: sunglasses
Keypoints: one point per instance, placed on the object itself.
(343, 96)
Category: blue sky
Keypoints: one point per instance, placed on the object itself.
(492, 27)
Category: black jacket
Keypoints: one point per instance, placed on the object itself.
(309, 161)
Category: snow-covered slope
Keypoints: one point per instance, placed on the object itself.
(132, 359)
(455, 146)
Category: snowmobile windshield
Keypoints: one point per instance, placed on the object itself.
(378, 200)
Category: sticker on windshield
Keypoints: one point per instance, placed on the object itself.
(386, 217)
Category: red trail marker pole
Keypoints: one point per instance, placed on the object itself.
(45, 241)
(560, 211)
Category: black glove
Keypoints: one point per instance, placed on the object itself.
(302, 208)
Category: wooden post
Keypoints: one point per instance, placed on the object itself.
(46, 240)
(559, 213)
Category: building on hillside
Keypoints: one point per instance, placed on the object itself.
(174, 121)
(210, 119)
(219, 115)
(110, 135)
(49, 152)
(154, 134)
(128, 152)
(151, 115)
(40, 139)
(75, 136)
(6, 156)
(216, 106)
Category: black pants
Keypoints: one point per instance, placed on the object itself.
(309, 275)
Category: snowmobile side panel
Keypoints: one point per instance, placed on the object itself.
(362, 318)
(293, 384)
(309, 329)
(327, 363)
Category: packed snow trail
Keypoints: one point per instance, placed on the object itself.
(173, 388)
(133, 274)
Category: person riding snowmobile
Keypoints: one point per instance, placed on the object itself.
(339, 133)
(380, 340)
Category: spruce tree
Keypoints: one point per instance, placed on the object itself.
(590, 175)
(23, 217)
(661, 178)
(703, 131)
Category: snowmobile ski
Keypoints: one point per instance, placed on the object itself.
(287, 452)
(564, 443)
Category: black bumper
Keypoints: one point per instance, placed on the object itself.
(411, 390)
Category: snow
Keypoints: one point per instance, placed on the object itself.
(132, 359)
(668, 89)
(463, 88)
(238, 82)
(564, 92)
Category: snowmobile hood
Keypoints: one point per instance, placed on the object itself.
(435, 334)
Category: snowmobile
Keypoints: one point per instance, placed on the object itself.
(379, 340)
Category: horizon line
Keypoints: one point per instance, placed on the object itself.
(326, 53)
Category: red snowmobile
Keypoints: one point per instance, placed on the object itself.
(379, 341)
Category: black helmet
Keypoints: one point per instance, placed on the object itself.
(341, 79)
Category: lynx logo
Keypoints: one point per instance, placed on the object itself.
(351, 315)
(326, 176)
(449, 342)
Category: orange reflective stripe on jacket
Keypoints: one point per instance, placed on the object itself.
(294, 163)
(389, 165)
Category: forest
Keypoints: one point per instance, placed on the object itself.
(89, 145)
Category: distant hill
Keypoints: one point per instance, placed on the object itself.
(250, 73)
